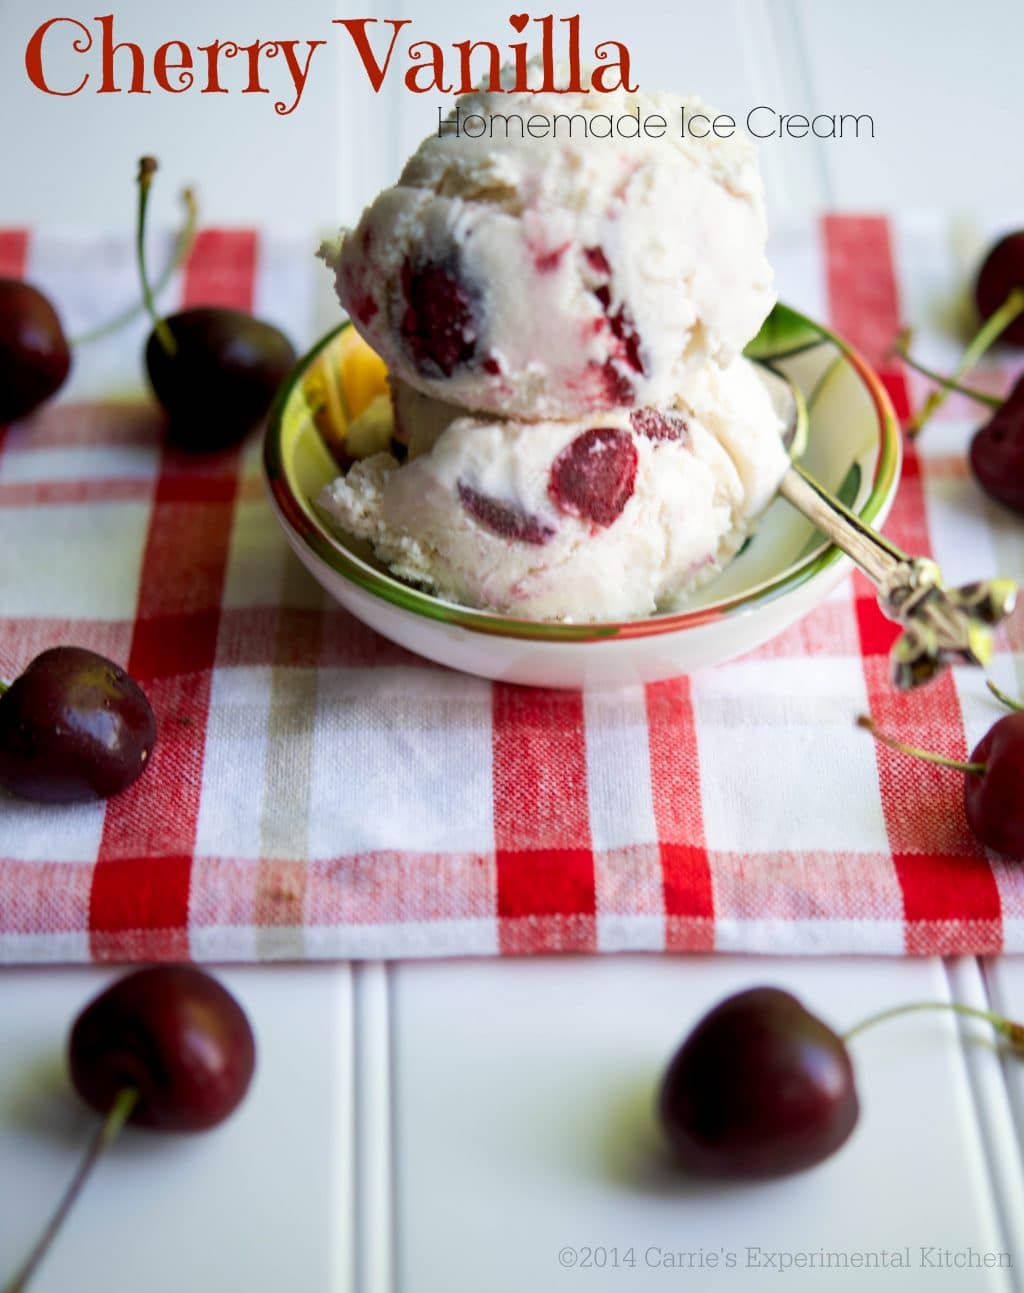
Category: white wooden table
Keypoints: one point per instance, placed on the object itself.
(479, 1125)
(488, 1126)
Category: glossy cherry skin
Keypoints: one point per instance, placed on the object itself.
(73, 727)
(222, 378)
(34, 353)
(760, 1088)
(996, 454)
(1002, 270)
(174, 1034)
(994, 799)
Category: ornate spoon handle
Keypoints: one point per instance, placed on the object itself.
(940, 625)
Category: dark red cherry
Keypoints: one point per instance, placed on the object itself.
(996, 454)
(438, 319)
(760, 1088)
(1002, 270)
(658, 424)
(222, 376)
(594, 476)
(994, 799)
(506, 519)
(173, 1034)
(34, 354)
(73, 727)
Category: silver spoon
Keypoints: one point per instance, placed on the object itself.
(941, 626)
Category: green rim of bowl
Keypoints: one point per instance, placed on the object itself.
(787, 332)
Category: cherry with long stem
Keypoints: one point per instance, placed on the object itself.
(1003, 698)
(215, 370)
(992, 780)
(901, 349)
(993, 327)
(183, 245)
(106, 1134)
(915, 751)
(1008, 1028)
(147, 169)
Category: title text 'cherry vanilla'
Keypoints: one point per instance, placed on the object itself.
(67, 56)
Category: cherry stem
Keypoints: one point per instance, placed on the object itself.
(147, 169)
(901, 348)
(1001, 695)
(1013, 1032)
(4, 686)
(182, 246)
(990, 330)
(120, 1111)
(974, 769)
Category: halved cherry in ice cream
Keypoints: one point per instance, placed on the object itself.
(658, 424)
(617, 385)
(594, 476)
(506, 519)
(438, 322)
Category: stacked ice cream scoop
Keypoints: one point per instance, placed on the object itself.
(562, 319)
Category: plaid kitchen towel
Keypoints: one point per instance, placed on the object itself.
(319, 792)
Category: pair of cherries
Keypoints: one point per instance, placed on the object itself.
(996, 453)
(215, 371)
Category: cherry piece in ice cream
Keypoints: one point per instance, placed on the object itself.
(594, 476)
(658, 424)
(438, 323)
(619, 321)
(503, 518)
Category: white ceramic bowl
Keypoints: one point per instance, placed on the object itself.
(853, 448)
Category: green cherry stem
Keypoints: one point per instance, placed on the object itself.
(971, 769)
(4, 686)
(901, 349)
(1013, 1032)
(182, 246)
(120, 1111)
(1001, 695)
(147, 169)
(990, 330)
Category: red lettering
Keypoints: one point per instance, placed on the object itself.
(356, 28)
(435, 55)
(468, 81)
(162, 65)
(575, 85)
(255, 86)
(110, 48)
(299, 72)
(601, 78)
(34, 55)
(213, 52)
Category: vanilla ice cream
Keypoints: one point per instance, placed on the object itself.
(613, 515)
(543, 278)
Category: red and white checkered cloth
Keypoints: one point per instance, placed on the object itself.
(318, 792)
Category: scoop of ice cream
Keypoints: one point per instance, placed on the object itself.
(548, 275)
(612, 516)
(736, 404)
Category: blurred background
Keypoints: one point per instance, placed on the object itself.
(941, 80)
